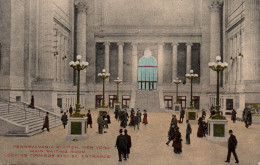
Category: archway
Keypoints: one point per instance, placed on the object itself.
(147, 72)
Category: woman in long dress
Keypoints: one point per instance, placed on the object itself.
(145, 118)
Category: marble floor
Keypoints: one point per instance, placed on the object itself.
(148, 146)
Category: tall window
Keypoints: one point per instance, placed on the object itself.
(126, 101)
(147, 72)
(182, 101)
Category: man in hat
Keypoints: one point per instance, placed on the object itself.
(170, 134)
(129, 143)
(46, 122)
(89, 120)
(188, 132)
(121, 144)
(70, 110)
(174, 120)
(182, 113)
(64, 119)
(232, 143)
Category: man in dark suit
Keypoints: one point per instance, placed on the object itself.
(182, 113)
(129, 143)
(232, 143)
(121, 144)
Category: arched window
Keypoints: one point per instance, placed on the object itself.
(147, 72)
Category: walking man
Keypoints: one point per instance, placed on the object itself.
(46, 122)
(234, 116)
(182, 113)
(70, 111)
(100, 122)
(64, 119)
(89, 120)
(188, 132)
(232, 144)
(121, 144)
(129, 143)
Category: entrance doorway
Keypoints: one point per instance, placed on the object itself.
(147, 72)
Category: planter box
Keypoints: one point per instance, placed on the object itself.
(191, 115)
(217, 130)
(77, 128)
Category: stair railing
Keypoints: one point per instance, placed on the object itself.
(39, 110)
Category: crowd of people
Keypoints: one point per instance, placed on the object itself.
(123, 142)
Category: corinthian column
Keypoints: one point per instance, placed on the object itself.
(120, 60)
(81, 34)
(188, 61)
(107, 44)
(252, 41)
(214, 37)
(174, 60)
(134, 62)
(160, 62)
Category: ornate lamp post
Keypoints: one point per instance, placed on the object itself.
(177, 82)
(191, 77)
(78, 66)
(117, 81)
(104, 76)
(218, 67)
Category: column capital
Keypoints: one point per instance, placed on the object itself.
(106, 43)
(120, 44)
(81, 6)
(160, 44)
(215, 6)
(189, 44)
(134, 43)
(175, 43)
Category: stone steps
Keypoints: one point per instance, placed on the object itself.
(34, 120)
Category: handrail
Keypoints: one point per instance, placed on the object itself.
(27, 104)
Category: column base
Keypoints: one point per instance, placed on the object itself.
(77, 128)
(217, 130)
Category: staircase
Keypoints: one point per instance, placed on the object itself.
(148, 100)
(18, 113)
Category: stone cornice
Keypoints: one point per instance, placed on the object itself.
(81, 6)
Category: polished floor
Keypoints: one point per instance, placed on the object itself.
(148, 146)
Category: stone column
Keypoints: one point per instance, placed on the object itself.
(120, 60)
(238, 57)
(252, 41)
(188, 61)
(242, 59)
(235, 61)
(214, 37)
(160, 62)
(107, 44)
(81, 34)
(174, 60)
(134, 62)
